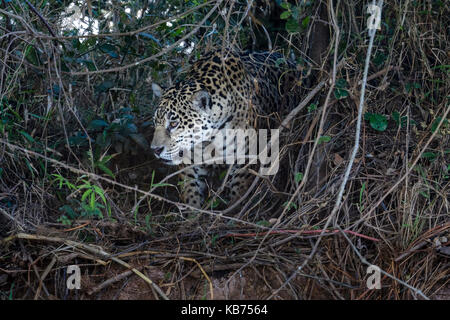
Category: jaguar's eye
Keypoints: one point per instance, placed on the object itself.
(173, 124)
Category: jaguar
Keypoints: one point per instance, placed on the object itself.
(225, 89)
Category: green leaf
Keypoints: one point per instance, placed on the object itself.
(426, 195)
(298, 177)
(285, 15)
(279, 61)
(86, 194)
(401, 121)
(263, 223)
(296, 12)
(27, 136)
(412, 85)
(68, 210)
(58, 179)
(341, 83)
(429, 155)
(84, 186)
(105, 159)
(214, 204)
(178, 31)
(105, 169)
(109, 49)
(100, 192)
(285, 5)
(340, 93)
(396, 117)
(89, 64)
(379, 59)
(367, 116)
(291, 205)
(223, 174)
(361, 192)
(214, 239)
(324, 139)
(292, 26)
(436, 123)
(31, 55)
(378, 122)
(305, 22)
(312, 107)
(105, 86)
(80, 139)
(131, 128)
(97, 124)
(92, 201)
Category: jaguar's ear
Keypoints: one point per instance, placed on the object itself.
(201, 99)
(157, 90)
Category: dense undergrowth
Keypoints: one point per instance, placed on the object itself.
(76, 109)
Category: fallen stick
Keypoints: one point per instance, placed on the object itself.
(92, 249)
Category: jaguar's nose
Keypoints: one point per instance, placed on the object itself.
(158, 150)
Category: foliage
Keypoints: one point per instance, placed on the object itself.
(75, 126)
(91, 202)
(377, 121)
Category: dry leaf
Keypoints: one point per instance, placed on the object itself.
(338, 159)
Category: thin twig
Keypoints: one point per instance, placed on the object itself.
(40, 17)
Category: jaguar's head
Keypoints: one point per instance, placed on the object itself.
(183, 119)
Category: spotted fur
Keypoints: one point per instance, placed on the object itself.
(223, 90)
